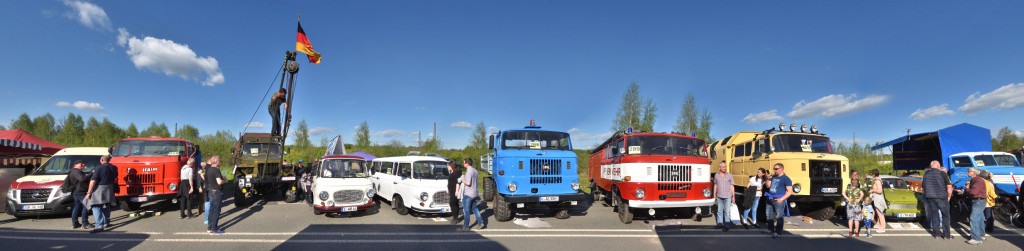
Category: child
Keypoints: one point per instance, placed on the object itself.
(869, 212)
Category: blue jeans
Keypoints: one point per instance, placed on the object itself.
(206, 208)
(774, 214)
(939, 210)
(977, 219)
(467, 205)
(101, 215)
(213, 215)
(79, 211)
(724, 205)
(750, 213)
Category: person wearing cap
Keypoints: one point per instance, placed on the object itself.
(78, 183)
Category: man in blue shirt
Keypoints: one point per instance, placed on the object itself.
(780, 187)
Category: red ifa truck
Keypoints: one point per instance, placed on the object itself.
(149, 169)
(654, 171)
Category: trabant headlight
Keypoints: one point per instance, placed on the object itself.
(323, 195)
(330, 203)
(172, 187)
(796, 188)
(576, 186)
(707, 193)
(639, 193)
(369, 193)
(512, 187)
(423, 196)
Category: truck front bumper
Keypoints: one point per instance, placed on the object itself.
(537, 198)
(670, 204)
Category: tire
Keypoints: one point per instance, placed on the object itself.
(622, 206)
(291, 196)
(596, 193)
(489, 189)
(820, 211)
(502, 212)
(128, 206)
(563, 212)
(239, 197)
(1017, 220)
(400, 206)
(1002, 212)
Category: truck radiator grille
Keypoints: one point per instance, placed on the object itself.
(139, 190)
(269, 169)
(441, 197)
(537, 167)
(545, 180)
(348, 196)
(674, 187)
(826, 176)
(35, 195)
(674, 173)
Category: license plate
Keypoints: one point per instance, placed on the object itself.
(139, 199)
(446, 210)
(906, 215)
(829, 190)
(548, 198)
(289, 178)
(348, 209)
(675, 195)
(31, 207)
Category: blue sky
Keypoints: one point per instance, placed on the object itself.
(863, 67)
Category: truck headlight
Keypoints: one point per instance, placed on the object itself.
(796, 188)
(423, 196)
(172, 187)
(323, 195)
(576, 186)
(369, 193)
(512, 187)
(707, 193)
(639, 193)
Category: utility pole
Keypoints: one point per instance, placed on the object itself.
(435, 132)
(419, 140)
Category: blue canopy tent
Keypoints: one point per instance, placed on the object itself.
(914, 152)
(366, 156)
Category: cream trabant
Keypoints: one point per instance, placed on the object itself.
(419, 183)
(340, 185)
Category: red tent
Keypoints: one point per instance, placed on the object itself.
(9, 153)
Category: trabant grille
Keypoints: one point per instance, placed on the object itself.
(440, 197)
(35, 195)
(674, 187)
(825, 175)
(537, 167)
(674, 173)
(545, 180)
(348, 196)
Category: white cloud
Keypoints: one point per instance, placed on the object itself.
(1007, 97)
(88, 14)
(320, 130)
(1018, 133)
(103, 115)
(492, 129)
(81, 105)
(762, 117)
(574, 131)
(851, 141)
(932, 112)
(173, 59)
(462, 124)
(586, 136)
(357, 128)
(122, 36)
(389, 133)
(256, 125)
(835, 105)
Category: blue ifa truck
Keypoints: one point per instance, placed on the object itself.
(529, 167)
(959, 148)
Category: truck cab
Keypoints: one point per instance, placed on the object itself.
(39, 192)
(530, 166)
(148, 169)
(1000, 164)
(258, 168)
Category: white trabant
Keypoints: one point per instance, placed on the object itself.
(417, 183)
(340, 185)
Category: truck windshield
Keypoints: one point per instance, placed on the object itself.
(62, 164)
(994, 160)
(801, 143)
(436, 170)
(894, 184)
(150, 148)
(664, 145)
(343, 168)
(535, 140)
(255, 149)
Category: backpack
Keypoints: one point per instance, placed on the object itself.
(67, 187)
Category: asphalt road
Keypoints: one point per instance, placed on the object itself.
(272, 224)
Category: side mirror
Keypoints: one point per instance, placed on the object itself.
(490, 142)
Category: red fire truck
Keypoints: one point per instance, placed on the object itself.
(149, 169)
(654, 171)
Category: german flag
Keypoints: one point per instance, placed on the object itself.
(302, 44)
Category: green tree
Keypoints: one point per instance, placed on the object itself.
(692, 121)
(109, 133)
(2, 127)
(479, 138)
(1006, 140)
(156, 130)
(131, 131)
(45, 127)
(363, 135)
(93, 133)
(72, 132)
(23, 122)
(187, 132)
(301, 135)
(635, 111)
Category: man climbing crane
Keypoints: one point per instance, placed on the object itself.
(281, 96)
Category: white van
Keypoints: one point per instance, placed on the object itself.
(39, 192)
(418, 183)
(340, 185)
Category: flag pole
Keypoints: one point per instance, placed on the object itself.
(300, 17)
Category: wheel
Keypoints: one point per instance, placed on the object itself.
(291, 196)
(625, 215)
(1017, 220)
(400, 206)
(502, 212)
(1002, 212)
(129, 206)
(239, 197)
(596, 193)
(563, 211)
(489, 189)
(819, 211)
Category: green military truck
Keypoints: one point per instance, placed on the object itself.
(258, 168)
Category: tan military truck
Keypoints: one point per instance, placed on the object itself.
(819, 175)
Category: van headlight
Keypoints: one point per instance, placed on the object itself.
(330, 203)
(423, 196)
(707, 193)
(796, 188)
(639, 193)
(369, 193)
(576, 186)
(172, 187)
(512, 187)
(11, 192)
(323, 195)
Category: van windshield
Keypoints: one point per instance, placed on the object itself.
(436, 170)
(664, 145)
(995, 160)
(535, 140)
(343, 168)
(801, 143)
(150, 148)
(62, 164)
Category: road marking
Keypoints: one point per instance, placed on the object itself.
(789, 230)
(70, 232)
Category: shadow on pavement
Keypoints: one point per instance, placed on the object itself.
(389, 237)
(71, 240)
(674, 238)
